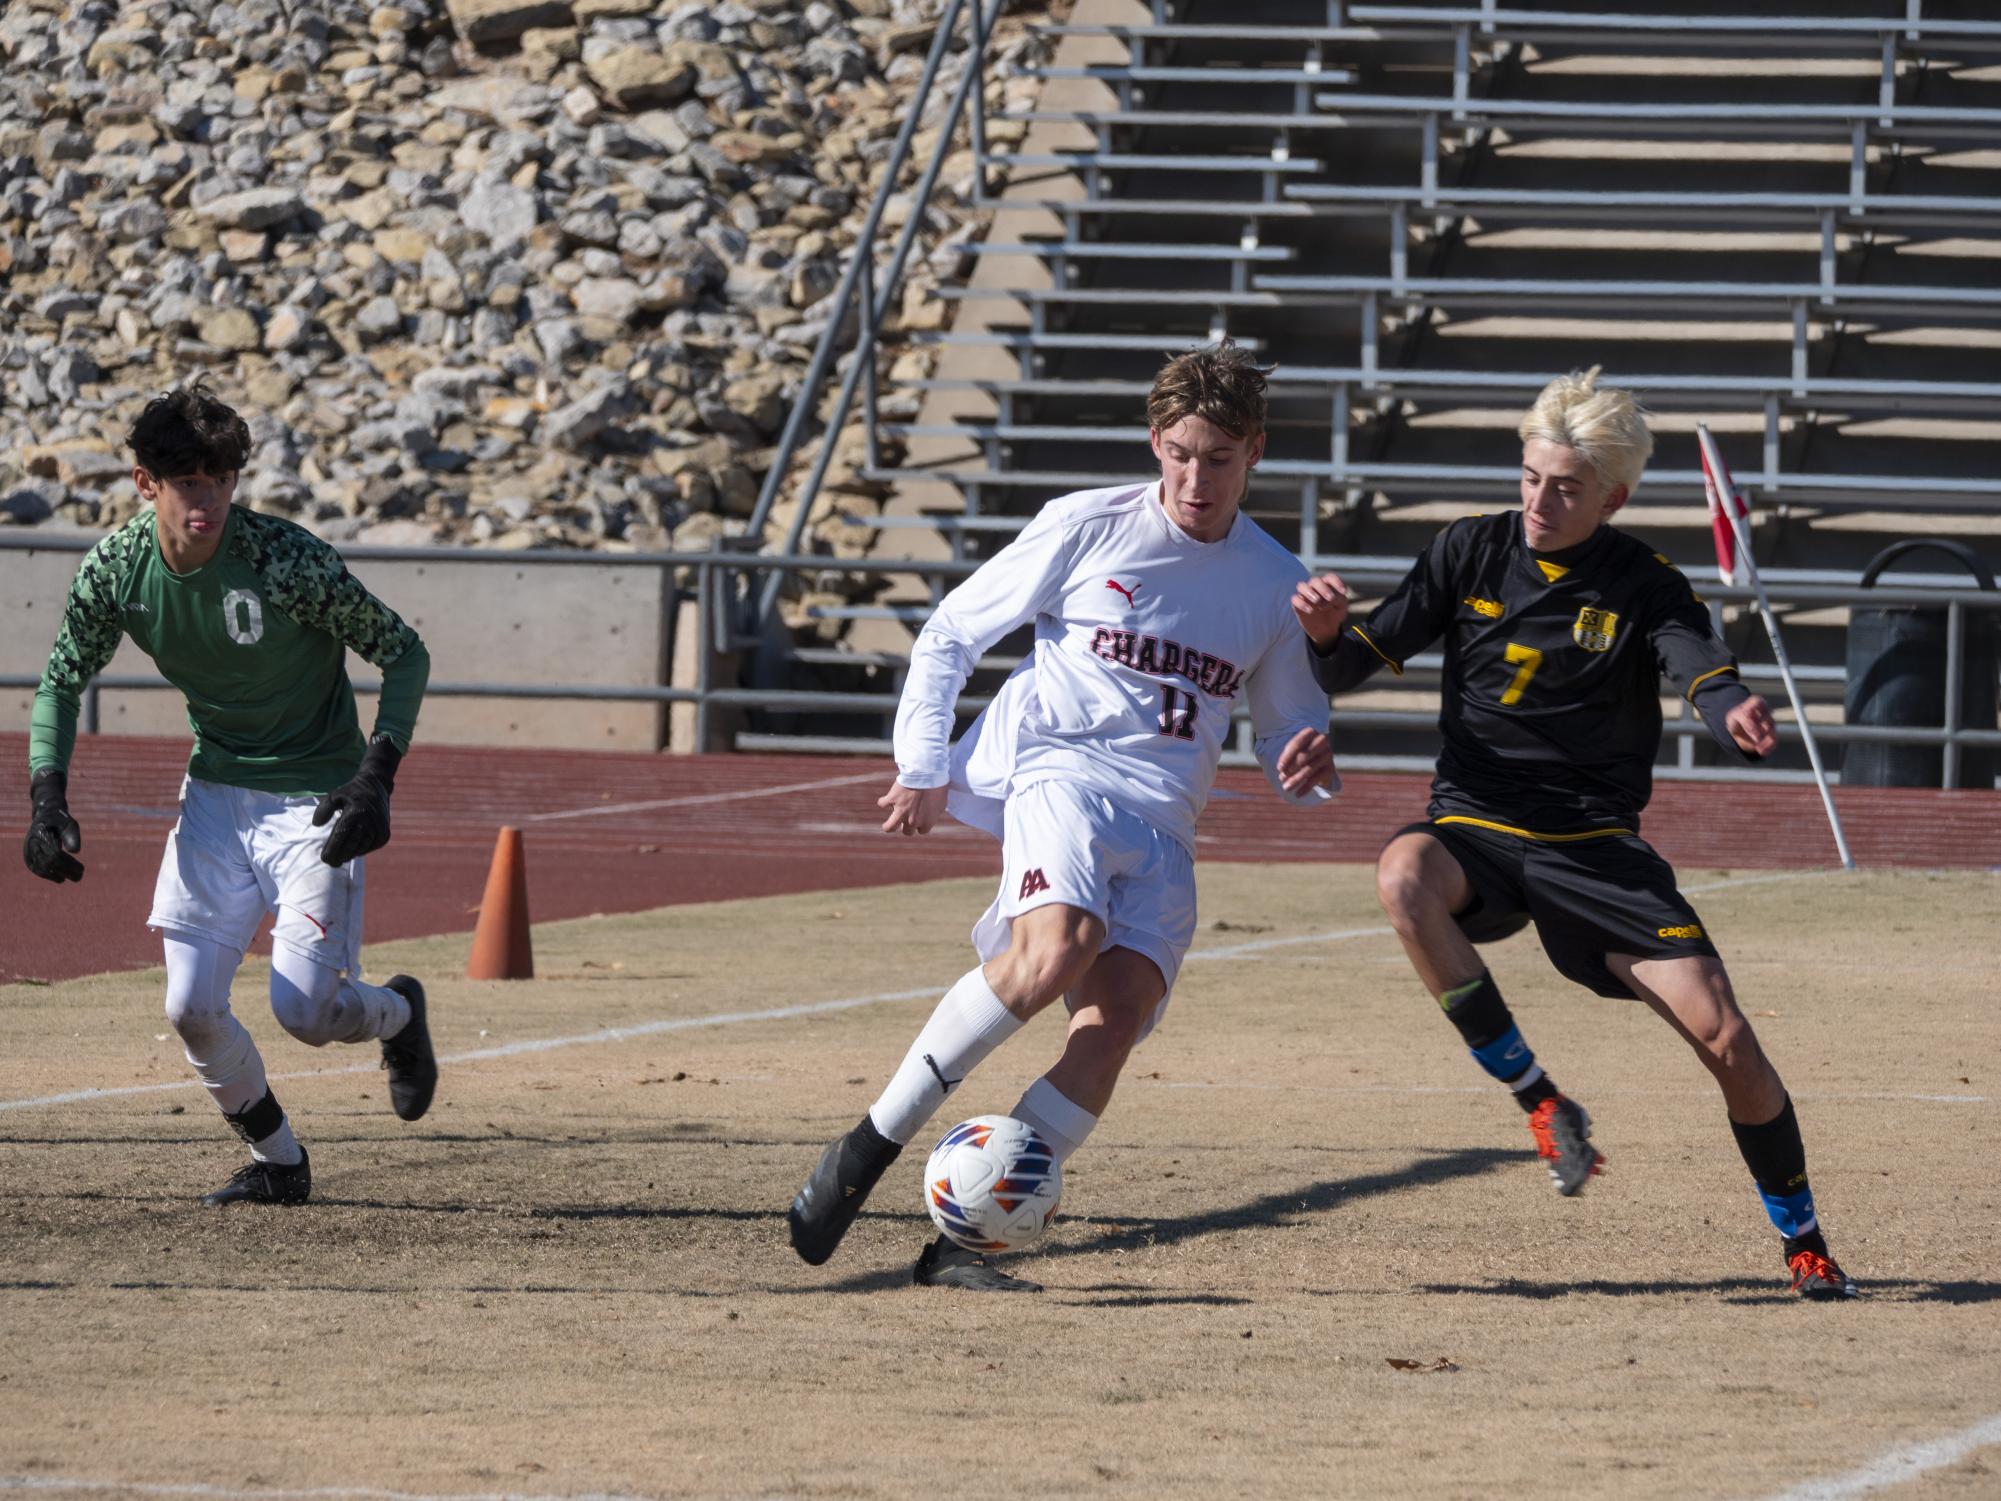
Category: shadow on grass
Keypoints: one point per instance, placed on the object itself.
(1267, 1210)
(1771, 1289)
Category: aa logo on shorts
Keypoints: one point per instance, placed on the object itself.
(1594, 629)
(1031, 883)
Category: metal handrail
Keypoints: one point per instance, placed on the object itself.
(859, 292)
(723, 577)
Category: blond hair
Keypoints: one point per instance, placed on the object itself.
(1606, 425)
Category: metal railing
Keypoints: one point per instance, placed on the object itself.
(726, 581)
(860, 295)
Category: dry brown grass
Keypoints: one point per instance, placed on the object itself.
(573, 1275)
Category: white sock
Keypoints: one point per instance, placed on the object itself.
(1060, 1120)
(969, 1023)
(281, 1146)
(384, 1012)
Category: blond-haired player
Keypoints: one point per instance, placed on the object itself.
(1157, 608)
(1558, 629)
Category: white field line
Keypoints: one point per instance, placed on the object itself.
(1899, 1465)
(267, 1493)
(512, 1049)
(702, 799)
(729, 1018)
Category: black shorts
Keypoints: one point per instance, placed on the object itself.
(1609, 894)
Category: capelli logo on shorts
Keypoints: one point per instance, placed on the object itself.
(1691, 930)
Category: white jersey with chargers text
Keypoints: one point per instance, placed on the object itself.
(1145, 640)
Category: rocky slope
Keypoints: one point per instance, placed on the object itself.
(513, 272)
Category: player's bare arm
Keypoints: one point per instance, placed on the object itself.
(1306, 762)
(912, 810)
(1750, 725)
(1322, 607)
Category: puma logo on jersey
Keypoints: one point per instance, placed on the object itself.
(1128, 593)
(1031, 883)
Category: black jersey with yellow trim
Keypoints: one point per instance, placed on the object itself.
(1553, 669)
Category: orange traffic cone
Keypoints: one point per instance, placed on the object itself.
(500, 946)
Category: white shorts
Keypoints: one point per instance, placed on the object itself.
(237, 854)
(1066, 844)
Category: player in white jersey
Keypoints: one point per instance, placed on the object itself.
(1157, 608)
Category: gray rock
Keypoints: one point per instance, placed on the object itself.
(558, 338)
(379, 318)
(596, 227)
(484, 21)
(70, 370)
(502, 212)
(139, 219)
(616, 298)
(254, 208)
(588, 417)
(491, 328)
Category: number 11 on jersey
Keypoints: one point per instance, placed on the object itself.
(1177, 713)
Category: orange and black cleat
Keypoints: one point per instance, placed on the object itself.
(1816, 1277)
(1562, 1131)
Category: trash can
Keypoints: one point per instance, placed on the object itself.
(1896, 676)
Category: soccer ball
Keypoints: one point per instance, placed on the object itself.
(992, 1184)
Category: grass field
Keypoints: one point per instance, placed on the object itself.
(572, 1277)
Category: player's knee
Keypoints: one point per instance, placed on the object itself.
(307, 1004)
(1045, 960)
(194, 1014)
(1404, 887)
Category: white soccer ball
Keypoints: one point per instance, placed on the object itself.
(992, 1184)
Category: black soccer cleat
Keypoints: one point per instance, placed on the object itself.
(413, 1067)
(832, 1196)
(266, 1183)
(1562, 1131)
(944, 1264)
(1817, 1279)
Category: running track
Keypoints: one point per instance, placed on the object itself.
(625, 832)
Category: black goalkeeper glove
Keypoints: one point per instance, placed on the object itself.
(362, 802)
(53, 837)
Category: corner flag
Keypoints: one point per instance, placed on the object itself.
(1716, 483)
(1731, 524)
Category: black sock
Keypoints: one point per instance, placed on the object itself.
(869, 1149)
(1776, 1157)
(1482, 1018)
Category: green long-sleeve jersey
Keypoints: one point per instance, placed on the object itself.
(253, 638)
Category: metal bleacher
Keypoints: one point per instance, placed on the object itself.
(1785, 225)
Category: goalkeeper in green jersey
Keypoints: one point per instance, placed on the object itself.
(248, 616)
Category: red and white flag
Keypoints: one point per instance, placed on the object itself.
(1717, 483)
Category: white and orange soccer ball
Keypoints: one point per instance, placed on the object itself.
(992, 1184)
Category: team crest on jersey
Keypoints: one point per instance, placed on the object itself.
(1594, 629)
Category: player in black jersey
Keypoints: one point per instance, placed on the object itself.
(1557, 630)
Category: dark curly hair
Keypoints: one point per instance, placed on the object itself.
(189, 430)
(1221, 383)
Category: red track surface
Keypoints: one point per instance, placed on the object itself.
(624, 832)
